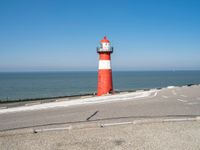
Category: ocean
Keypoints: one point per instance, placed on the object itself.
(33, 85)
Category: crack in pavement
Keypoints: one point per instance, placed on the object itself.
(92, 115)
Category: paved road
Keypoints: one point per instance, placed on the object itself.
(179, 101)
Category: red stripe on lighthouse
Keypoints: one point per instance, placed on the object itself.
(104, 56)
(104, 81)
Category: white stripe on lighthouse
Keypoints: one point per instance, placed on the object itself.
(104, 64)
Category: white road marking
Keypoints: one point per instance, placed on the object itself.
(178, 119)
(183, 95)
(52, 129)
(115, 124)
(197, 118)
(181, 100)
(86, 101)
(163, 96)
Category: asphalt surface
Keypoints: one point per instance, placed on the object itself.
(167, 102)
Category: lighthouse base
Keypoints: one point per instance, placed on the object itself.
(105, 85)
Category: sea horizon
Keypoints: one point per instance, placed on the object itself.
(36, 85)
(52, 71)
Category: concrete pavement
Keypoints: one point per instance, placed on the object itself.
(168, 102)
(165, 119)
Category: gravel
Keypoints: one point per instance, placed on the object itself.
(155, 136)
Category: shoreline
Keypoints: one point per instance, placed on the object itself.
(71, 97)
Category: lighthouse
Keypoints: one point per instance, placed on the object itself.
(105, 84)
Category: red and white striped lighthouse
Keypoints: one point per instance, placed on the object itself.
(105, 84)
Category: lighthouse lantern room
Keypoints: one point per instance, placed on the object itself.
(105, 83)
(104, 46)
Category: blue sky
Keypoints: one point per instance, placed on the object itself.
(62, 35)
